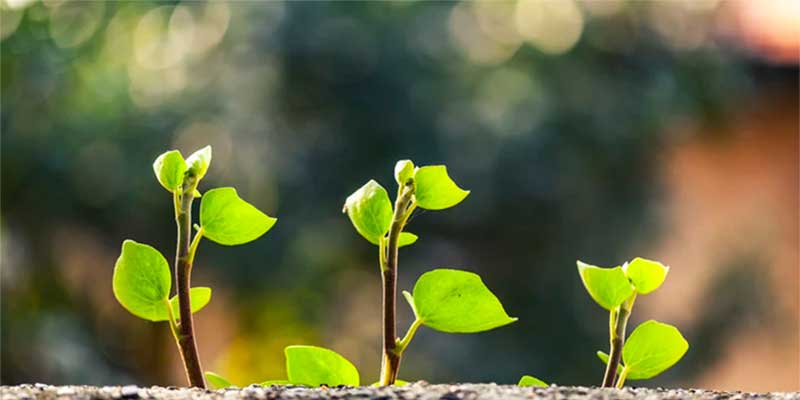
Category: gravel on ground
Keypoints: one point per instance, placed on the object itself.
(415, 391)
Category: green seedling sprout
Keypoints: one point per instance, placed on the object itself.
(653, 346)
(142, 282)
(310, 366)
(446, 300)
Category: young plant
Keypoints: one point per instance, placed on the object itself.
(307, 366)
(444, 299)
(653, 347)
(142, 282)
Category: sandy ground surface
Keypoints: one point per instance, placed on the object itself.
(419, 390)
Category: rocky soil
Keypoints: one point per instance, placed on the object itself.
(419, 390)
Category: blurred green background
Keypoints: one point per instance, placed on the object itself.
(585, 130)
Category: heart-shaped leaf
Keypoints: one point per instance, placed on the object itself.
(197, 163)
(228, 220)
(456, 301)
(217, 381)
(169, 168)
(435, 190)
(609, 287)
(646, 275)
(370, 211)
(142, 281)
(652, 348)
(314, 366)
(528, 380)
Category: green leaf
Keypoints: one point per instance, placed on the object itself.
(275, 382)
(403, 171)
(456, 301)
(314, 366)
(200, 296)
(370, 211)
(604, 358)
(528, 380)
(217, 381)
(406, 239)
(142, 280)
(228, 220)
(197, 163)
(169, 168)
(435, 190)
(652, 348)
(646, 275)
(609, 287)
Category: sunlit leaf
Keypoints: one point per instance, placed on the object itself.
(370, 211)
(217, 381)
(314, 366)
(646, 275)
(200, 296)
(142, 280)
(403, 171)
(456, 301)
(435, 190)
(169, 168)
(228, 220)
(652, 348)
(197, 163)
(609, 287)
(406, 239)
(528, 380)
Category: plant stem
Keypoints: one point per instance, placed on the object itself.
(403, 207)
(183, 271)
(622, 376)
(618, 322)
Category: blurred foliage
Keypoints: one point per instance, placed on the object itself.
(557, 138)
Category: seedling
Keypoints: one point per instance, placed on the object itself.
(307, 366)
(446, 300)
(653, 346)
(142, 282)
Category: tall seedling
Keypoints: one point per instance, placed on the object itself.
(444, 299)
(142, 282)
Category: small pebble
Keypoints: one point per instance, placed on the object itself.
(130, 392)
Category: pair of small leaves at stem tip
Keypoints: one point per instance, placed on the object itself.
(610, 287)
(171, 169)
(651, 349)
(370, 209)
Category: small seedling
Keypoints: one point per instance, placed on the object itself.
(307, 366)
(446, 300)
(653, 346)
(528, 380)
(142, 282)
